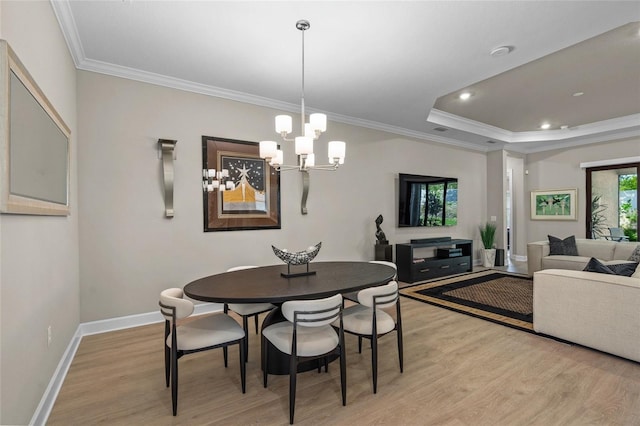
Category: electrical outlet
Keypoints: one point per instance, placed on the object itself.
(49, 336)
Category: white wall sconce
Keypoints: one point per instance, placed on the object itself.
(167, 149)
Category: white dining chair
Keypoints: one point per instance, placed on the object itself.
(307, 335)
(353, 295)
(368, 320)
(247, 310)
(206, 332)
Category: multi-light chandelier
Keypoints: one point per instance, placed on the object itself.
(304, 143)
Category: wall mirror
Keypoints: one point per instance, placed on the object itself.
(34, 144)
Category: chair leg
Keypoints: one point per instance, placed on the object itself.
(243, 366)
(343, 374)
(374, 362)
(400, 349)
(293, 370)
(265, 360)
(245, 346)
(256, 318)
(225, 355)
(167, 363)
(174, 380)
(359, 344)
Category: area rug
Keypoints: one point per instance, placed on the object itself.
(492, 295)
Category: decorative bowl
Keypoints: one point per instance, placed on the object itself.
(299, 257)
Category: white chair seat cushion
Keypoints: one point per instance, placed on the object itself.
(359, 319)
(312, 341)
(207, 331)
(250, 308)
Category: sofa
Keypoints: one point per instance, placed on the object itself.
(608, 252)
(600, 311)
(597, 310)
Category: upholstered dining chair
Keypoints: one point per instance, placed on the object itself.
(368, 320)
(616, 234)
(207, 332)
(246, 311)
(306, 335)
(353, 296)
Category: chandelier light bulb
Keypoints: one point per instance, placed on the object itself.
(268, 149)
(284, 124)
(303, 145)
(318, 122)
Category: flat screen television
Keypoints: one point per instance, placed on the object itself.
(427, 200)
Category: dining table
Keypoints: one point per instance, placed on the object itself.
(271, 284)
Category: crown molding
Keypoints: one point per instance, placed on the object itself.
(592, 131)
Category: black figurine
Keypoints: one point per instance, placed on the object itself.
(381, 238)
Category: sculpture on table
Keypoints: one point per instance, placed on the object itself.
(297, 258)
(380, 237)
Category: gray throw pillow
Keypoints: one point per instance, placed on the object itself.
(566, 247)
(635, 256)
(624, 269)
(595, 265)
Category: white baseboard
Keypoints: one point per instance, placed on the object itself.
(95, 327)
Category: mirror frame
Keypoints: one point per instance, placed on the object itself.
(24, 204)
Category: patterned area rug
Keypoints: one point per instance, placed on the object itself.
(495, 296)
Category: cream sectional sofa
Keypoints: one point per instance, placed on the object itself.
(600, 311)
(538, 257)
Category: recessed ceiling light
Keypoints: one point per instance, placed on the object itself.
(501, 51)
(576, 94)
(564, 127)
(465, 96)
(545, 126)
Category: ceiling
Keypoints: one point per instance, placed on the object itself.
(392, 66)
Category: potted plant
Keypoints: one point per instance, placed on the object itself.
(488, 235)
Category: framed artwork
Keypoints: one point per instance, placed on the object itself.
(556, 204)
(251, 199)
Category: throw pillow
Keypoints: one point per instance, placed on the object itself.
(635, 256)
(636, 274)
(566, 247)
(624, 269)
(595, 265)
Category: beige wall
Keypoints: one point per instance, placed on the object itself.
(560, 169)
(39, 274)
(129, 251)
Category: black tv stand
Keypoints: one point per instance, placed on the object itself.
(412, 268)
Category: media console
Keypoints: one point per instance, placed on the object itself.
(429, 258)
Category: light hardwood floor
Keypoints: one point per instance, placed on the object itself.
(459, 370)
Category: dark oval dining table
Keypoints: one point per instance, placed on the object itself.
(266, 284)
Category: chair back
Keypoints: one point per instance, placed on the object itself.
(240, 268)
(384, 262)
(313, 313)
(173, 306)
(383, 296)
(616, 232)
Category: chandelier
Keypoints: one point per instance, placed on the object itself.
(310, 132)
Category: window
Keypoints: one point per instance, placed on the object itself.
(612, 200)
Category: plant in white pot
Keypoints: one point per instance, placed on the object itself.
(488, 235)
